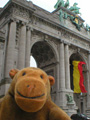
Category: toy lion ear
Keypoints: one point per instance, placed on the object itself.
(13, 72)
(51, 79)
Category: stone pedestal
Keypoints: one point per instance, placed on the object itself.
(88, 111)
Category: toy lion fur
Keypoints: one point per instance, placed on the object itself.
(28, 97)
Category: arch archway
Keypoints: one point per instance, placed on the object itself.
(79, 97)
(43, 54)
(46, 59)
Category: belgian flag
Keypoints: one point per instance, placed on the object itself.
(78, 78)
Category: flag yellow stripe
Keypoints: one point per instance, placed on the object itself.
(76, 77)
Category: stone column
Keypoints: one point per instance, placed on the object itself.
(67, 67)
(27, 55)
(10, 49)
(22, 45)
(57, 84)
(1, 58)
(88, 82)
(62, 67)
(88, 87)
(89, 73)
(57, 89)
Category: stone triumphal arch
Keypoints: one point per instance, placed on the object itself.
(54, 40)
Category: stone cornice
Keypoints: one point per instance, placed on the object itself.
(69, 43)
(26, 4)
(60, 37)
(63, 28)
(78, 46)
(5, 8)
(18, 2)
(47, 19)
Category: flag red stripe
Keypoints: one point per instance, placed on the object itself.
(81, 77)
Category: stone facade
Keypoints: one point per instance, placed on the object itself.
(25, 30)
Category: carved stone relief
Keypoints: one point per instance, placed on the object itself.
(79, 42)
(46, 26)
(6, 16)
(8, 13)
(20, 11)
(65, 34)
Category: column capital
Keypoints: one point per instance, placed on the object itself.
(66, 43)
(29, 28)
(24, 23)
(13, 20)
(61, 41)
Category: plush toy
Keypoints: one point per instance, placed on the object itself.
(28, 97)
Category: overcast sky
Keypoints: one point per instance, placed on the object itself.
(48, 5)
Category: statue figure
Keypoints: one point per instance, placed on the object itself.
(87, 27)
(65, 15)
(59, 4)
(74, 8)
(60, 15)
(66, 4)
(71, 18)
(69, 98)
(78, 26)
(75, 21)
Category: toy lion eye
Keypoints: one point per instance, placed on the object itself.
(23, 74)
(41, 76)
